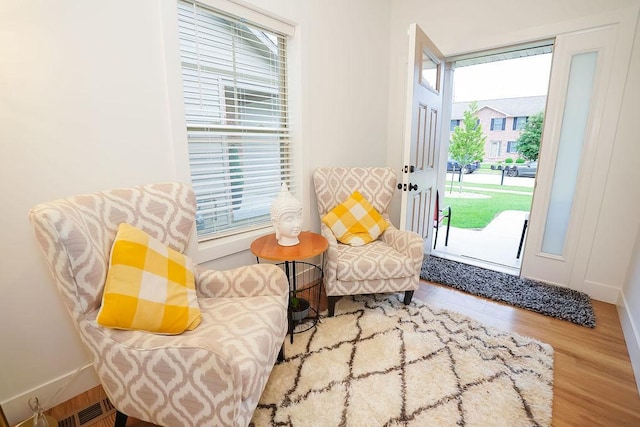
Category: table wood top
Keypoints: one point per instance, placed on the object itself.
(311, 244)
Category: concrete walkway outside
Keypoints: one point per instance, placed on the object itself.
(494, 247)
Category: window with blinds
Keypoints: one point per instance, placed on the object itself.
(234, 83)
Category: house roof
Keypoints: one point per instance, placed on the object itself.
(511, 107)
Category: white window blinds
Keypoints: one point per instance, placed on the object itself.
(234, 83)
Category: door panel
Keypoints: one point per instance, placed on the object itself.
(425, 75)
(419, 212)
(561, 225)
(431, 149)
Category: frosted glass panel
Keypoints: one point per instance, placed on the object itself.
(572, 135)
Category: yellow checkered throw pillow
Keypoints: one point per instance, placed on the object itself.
(149, 286)
(355, 221)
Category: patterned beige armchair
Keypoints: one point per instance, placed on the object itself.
(211, 376)
(389, 264)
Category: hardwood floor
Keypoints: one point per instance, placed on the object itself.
(593, 379)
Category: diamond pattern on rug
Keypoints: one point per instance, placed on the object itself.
(381, 363)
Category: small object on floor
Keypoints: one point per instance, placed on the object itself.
(29, 422)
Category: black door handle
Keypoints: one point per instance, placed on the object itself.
(403, 187)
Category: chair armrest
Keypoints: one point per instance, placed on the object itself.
(405, 242)
(247, 281)
(166, 359)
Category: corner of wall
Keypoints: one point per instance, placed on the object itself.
(60, 390)
(631, 337)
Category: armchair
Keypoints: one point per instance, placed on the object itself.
(391, 263)
(212, 375)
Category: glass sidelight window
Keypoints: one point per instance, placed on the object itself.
(571, 142)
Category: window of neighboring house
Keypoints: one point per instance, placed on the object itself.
(512, 146)
(235, 98)
(498, 124)
(495, 149)
(454, 124)
(519, 122)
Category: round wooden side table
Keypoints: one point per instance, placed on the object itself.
(305, 279)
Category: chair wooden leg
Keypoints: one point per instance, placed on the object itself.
(407, 297)
(332, 304)
(121, 419)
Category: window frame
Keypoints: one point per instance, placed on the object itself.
(503, 121)
(519, 122)
(235, 245)
(236, 105)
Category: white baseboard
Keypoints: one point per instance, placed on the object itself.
(631, 332)
(16, 408)
(601, 292)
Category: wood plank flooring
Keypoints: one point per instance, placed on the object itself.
(593, 379)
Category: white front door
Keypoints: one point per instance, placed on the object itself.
(576, 144)
(423, 124)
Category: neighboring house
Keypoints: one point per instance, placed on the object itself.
(502, 121)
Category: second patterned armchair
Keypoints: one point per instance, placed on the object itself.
(391, 263)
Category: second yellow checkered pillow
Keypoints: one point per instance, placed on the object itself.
(355, 221)
(149, 286)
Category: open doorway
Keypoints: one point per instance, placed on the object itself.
(498, 106)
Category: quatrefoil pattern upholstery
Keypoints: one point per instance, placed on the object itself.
(211, 376)
(389, 264)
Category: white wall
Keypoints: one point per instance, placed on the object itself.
(82, 108)
(629, 311)
(629, 208)
(85, 105)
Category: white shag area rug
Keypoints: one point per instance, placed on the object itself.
(381, 363)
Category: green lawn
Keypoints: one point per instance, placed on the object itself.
(477, 213)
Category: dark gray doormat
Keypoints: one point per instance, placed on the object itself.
(550, 300)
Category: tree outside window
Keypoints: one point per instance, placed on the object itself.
(467, 140)
(528, 144)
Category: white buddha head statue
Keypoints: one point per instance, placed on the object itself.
(286, 217)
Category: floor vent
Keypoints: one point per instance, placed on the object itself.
(89, 415)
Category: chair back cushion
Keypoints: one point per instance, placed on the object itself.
(77, 233)
(334, 185)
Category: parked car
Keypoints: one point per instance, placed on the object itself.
(525, 169)
(453, 166)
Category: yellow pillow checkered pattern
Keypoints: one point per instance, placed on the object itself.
(149, 286)
(355, 221)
